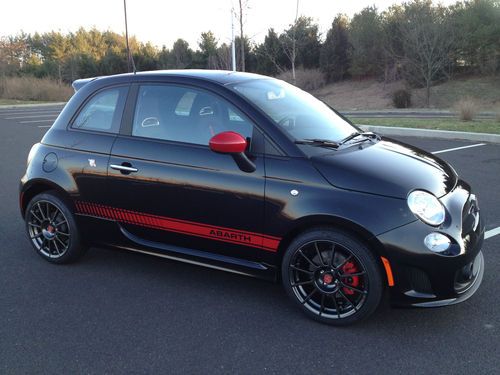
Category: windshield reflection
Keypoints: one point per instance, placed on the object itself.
(296, 112)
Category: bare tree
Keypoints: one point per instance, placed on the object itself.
(426, 40)
(242, 7)
(290, 43)
(223, 57)
(270, 54)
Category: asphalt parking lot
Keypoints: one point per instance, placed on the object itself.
(121, 312)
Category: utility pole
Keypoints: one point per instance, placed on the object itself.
(242, 39)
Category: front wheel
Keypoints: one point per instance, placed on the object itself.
(52, 230)
(332, 276)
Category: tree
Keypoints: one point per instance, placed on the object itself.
(182, 54)
(308, 45)
(427, 38)
(223, 57)
(208, 50)
(146, 57)
(58, 50)
(289, 42)
(249, 54)
(478, 35)
(242, 7)
(336, 52)
(366, 37)
(13, 53)
(271, 59)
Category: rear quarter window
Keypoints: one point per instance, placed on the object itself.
(103, 111)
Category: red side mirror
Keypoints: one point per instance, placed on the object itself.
(228, 143)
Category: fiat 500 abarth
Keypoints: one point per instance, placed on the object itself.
(245, 173)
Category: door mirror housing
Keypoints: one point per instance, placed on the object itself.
(235, 145)
(228, 143)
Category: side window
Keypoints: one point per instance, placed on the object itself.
(184, 114)
(103, 111)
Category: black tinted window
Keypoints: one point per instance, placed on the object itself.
(103, 111)
(184, 114)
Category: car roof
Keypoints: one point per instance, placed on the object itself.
(222, 77)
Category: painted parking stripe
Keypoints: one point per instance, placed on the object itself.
(491, 233)
(35, 121)
(458, 148)
(44, 126)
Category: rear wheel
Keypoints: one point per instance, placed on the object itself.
(332, 276)
(52, 230)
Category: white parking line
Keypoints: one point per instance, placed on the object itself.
(21, 117)
(458, 148)
(491, 233)
(34, 121)
(44, 126)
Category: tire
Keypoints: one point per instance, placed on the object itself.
(52, 230)
(339, 291)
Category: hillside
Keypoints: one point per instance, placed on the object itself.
(371, 94)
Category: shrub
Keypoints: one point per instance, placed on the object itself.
(401, 98)
(467, 109)
(306, 79)
(31, 88)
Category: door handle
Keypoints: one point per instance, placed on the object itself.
(124, 168)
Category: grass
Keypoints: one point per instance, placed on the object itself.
(484, 91)
(466, 109)
(33, 89)
(372, 94)
(477, 126)
(306, 79)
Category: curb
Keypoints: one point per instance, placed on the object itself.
(427, 133)
(411, 112)
(9, 106)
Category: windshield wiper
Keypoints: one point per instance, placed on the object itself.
(334, 144)
(368, 135)
(318, 142)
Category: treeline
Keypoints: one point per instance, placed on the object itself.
(419, 41)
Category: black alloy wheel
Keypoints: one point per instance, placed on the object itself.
(332, 276)
(52, 230)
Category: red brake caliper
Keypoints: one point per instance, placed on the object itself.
(353, 281)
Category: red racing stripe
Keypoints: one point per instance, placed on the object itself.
(223, 234)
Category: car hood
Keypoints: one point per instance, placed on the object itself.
(388, 168)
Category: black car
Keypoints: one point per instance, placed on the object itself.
(245, 173)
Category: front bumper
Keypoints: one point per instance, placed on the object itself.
(426, 279)
(472, 286)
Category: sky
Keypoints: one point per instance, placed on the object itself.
(161, 22)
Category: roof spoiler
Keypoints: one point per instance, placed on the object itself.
(79, 83)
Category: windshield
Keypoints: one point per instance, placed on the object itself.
(300, 114)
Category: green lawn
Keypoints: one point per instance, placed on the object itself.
(477, 126)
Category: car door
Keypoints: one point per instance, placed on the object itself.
(169, 188)
(84, 146)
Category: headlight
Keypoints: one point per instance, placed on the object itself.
(426, 207)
